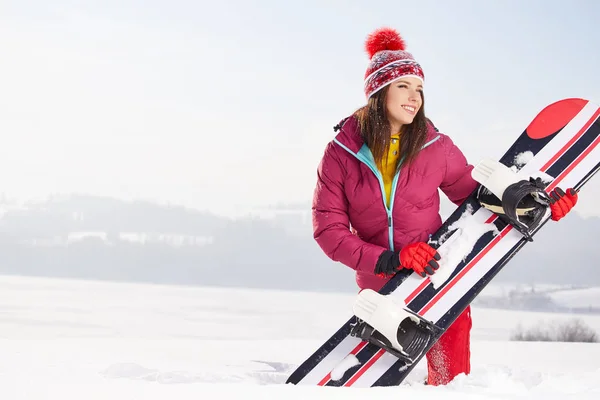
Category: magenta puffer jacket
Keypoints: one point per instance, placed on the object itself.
(350, 194)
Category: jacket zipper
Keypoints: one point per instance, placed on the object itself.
(377, 174)
(375, 171)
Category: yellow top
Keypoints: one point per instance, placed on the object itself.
(389, 169)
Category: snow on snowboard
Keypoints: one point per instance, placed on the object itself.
(391, 330)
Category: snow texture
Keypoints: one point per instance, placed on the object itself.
(523, 158)
(338, 372)
(68, 339)
(467, 231)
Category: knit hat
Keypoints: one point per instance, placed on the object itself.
(388, 60)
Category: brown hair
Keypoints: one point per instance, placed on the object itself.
(375, 129)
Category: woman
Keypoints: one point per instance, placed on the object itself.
(376, 200)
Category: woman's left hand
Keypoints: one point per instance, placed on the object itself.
(561, 203)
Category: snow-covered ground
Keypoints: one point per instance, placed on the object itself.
(66, 339)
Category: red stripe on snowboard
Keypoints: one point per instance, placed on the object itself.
(573, 165)
(559, 154)
(358, 348)
(365, 367)
(573, 140)
(490, 245)
(466, 269)
(427, 281)
(418, 290)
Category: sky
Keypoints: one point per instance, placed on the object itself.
(228, 105)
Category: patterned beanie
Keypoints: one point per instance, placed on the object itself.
(388, 60)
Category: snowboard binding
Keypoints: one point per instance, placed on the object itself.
(384, 323)
(522, 203)
(413, 339)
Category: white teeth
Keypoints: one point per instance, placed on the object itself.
(409, 108)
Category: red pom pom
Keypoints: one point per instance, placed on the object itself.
(383, 39)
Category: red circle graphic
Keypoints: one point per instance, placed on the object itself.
(554, 117)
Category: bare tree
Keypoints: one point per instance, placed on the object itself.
(574, 330)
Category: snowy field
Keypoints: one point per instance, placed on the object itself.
(65, 339)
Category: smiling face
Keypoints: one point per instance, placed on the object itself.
(403, 102)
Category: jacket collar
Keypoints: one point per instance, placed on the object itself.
(349, 134)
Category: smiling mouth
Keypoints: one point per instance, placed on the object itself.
(410, 109)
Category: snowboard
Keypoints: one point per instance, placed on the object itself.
(396, 326)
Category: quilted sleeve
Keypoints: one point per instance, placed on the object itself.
(331, 225)
(457, 183)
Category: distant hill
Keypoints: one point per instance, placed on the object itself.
(540, 297)
(104, 238)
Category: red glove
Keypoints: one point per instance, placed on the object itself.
(561, 203)
(420, 257)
